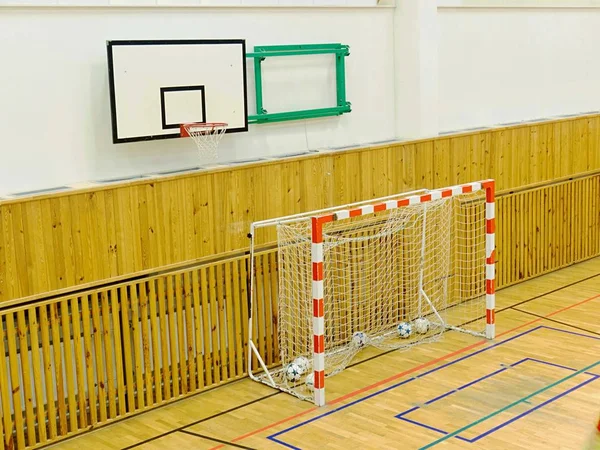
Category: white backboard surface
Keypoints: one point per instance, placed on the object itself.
(157, 85)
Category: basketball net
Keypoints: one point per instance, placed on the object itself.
(206, 136)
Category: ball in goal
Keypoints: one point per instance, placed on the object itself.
(390, 273)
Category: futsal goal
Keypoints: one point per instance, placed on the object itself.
(390, 273)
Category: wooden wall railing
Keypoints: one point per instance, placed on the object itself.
(75, 238)
(101, 354)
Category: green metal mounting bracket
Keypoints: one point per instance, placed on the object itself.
(266, 51)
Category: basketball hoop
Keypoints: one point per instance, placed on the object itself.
(206, 135)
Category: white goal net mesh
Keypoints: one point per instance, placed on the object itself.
(392, 280)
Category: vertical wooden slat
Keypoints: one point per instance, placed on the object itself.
(36, 359)
(79, 361)
(138, 351)
(58, 369)
(197, 304)
(206, 327)
(6, 441)
(230, 321)
(214, 325)
(148, 386)
(127, 351)
(67, 339)
(8, 424)
(180, 315)
(154, 324)
(89, 357)
(189, 327)
(109, 355)
(119, 369)
(244, 264)
(22, 333)
(164, 338)
(49, 380)
(237, 308)
(266, 283)
(99, 356)
(172, 335)
(220, 298)
(258, 313)
(15, 385)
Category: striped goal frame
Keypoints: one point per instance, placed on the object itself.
(319, 303)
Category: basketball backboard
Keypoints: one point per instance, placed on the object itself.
(157, 85)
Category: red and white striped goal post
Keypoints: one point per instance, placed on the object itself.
(317, 263)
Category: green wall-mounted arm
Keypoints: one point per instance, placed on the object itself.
(267, 51)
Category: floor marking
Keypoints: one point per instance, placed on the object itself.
(515, 403)
(414, 369)
(208, 438)
(557, 321)
(274, 437)
(505, 369)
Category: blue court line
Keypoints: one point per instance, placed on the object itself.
(521, 400)
(403, 415)
(274, 436)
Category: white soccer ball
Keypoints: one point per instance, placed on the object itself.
(302, 362)
(404, 330)
(421, 325)
(310, 381)
(359, 339)
(293, 372)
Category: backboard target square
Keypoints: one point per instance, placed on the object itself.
(157, 85)
(182, 104)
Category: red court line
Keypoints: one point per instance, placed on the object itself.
(406, 372)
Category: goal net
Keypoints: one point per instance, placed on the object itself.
(391, 275)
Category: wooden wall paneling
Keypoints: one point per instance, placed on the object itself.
(74, 238)
(175, 208)
(53, 248)
(4, 272)
(38, 266)
(144, 219)
(110, 252)
(164, 230)
(594, 142)
(270, 194)
(20, 283)
(566, 149)
(441, 163)
(494, 160)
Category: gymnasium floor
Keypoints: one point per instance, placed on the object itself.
(535, 387)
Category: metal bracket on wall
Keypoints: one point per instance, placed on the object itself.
(266, 51)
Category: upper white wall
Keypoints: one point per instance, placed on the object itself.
(55, 114)
(499, 65)
(414, 71)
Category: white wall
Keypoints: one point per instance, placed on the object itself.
(415, 70)
(499, 65)
(55, 113)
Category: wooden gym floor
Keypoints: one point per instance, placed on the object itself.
(534, 387)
